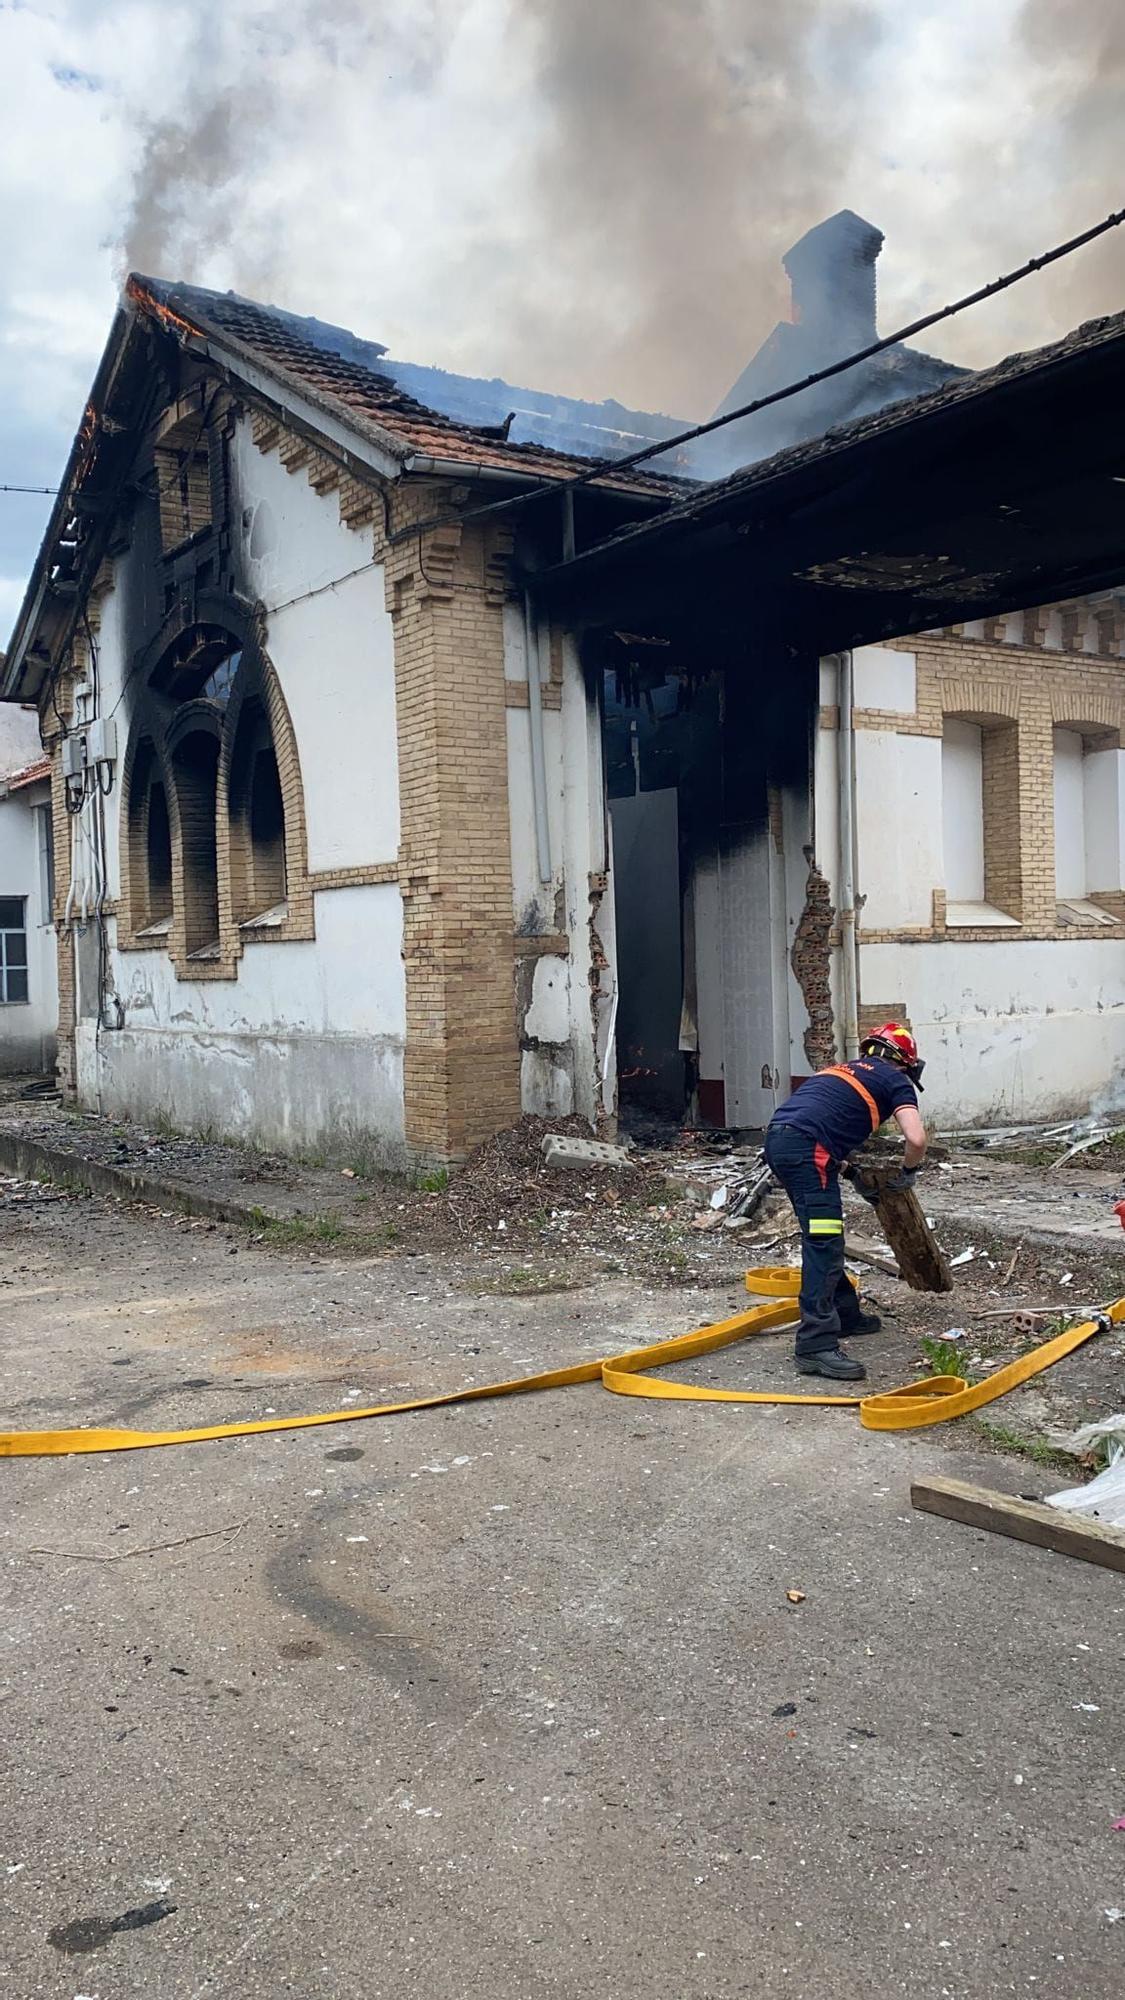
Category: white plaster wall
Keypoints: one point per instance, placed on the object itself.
(708, 967)
(548, 1017)
(348, 980)
(962, 813)
(20, 742)
(898, 826)
(825, 812)
(1010, 1031)
(585, 853)
(1105, 819)
(1070, 815)
(333, 653)
(882, 678)
(302, 1051)
(747, 946)
(27, 1030)
(574, 1070)
(534, 902)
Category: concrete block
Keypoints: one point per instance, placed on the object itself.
(561, 1150)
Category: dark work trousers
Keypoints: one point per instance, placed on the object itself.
(829, 1301)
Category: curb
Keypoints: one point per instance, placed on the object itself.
(34, 1161)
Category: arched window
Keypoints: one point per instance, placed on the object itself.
(149, 843)
(257, 821)
(158, 854)
(195, 767)
(213, 850)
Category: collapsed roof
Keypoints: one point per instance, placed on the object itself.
(988, 492)
(338, 390)
(1000, 490)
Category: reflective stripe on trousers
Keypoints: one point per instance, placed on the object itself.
(829, 1304)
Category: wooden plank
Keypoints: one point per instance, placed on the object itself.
(916, 1252)
(1024, 1520)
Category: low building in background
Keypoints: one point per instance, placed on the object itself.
(28, 953)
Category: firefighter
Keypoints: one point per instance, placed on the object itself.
(810, 1138)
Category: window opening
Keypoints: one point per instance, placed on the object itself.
(980, 823)
(13, 950)
(46, 864)
(257, 815)
(219, 682)
(195, 767)
(158, 856)
(1081, 827)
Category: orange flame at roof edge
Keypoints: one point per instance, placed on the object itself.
(143, 298)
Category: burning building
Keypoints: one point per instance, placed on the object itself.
(401, 783)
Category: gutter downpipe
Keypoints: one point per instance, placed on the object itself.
(538, 756)
(845, 770)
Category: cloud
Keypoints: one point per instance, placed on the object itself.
(574, 194)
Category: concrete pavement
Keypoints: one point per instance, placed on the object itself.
(510, 1700)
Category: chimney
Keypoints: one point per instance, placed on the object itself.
(831, 272)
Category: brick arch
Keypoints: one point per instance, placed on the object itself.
(220, 609)
(968, 699)
(1089, 714)
(193, 743)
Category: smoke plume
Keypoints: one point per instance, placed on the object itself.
(685, 144)
(593, 196)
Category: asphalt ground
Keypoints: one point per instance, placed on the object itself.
(511, 1700)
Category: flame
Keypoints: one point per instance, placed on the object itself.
(145, 299)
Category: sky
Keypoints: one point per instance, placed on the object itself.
(586, 196)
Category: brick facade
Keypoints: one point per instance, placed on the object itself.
(445, 592)
(1007, 676)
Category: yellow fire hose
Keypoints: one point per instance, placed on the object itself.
(934, 1400)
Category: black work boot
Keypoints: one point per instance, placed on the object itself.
(866, 1323)
(833, 1362)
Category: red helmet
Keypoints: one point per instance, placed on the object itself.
(895, 1044)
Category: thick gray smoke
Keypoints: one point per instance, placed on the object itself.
(185, 171)
(686, 144)
(594, 195)
(680, 146)
(241, 85)
(1076, 61)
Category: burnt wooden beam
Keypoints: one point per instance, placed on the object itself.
(916, 1250)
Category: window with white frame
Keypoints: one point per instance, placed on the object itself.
(13, 950)
(1079, 798)
(966, 829)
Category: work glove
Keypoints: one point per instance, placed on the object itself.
(864, 1188)
(901, 1182)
